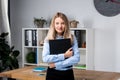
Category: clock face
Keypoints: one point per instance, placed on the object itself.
(107, 7)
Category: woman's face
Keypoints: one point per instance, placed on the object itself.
(59, 25)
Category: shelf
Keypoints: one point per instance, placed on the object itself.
(30, 64)
(84, 49)
(80, 66)
(78, 29)
(83, 35)
(30, 46)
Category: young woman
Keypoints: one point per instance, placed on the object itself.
(59, 67)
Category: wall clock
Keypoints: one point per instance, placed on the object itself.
(107, 7)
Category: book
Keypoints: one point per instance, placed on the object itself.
(78, 34)
(34, 38)
(39, 69)
(80, 66)
(29, 37)
(36, 55)
(26, 38)
(59, 46)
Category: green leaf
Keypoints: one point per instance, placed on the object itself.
(15, 53)
(4, 34)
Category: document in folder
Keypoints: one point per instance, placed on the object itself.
(59, 46)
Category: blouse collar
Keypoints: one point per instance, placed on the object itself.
(59, 37)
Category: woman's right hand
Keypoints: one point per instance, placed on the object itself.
(68, 53)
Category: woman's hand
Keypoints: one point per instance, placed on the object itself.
(68, 53)
(51, 65)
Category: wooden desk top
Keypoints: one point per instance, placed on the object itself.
(95, 75)
(26, 73)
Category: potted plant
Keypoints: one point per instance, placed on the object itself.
(8, 56)
(73, 23)
(39, 22)
(30, 57)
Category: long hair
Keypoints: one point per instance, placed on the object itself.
(52, 32)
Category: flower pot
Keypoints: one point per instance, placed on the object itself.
(73, 24)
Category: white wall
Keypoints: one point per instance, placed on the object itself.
(106, 28)
(117, 68)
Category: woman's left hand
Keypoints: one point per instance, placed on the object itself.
(51, 65)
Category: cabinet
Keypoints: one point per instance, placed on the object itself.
(32, 41)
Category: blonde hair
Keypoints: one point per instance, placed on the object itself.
(52, 33)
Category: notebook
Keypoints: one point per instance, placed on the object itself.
(59, 46)
(39, 69)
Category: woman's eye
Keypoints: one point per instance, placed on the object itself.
(63, 23)
(57, 23)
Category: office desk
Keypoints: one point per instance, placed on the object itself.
(26, 73)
